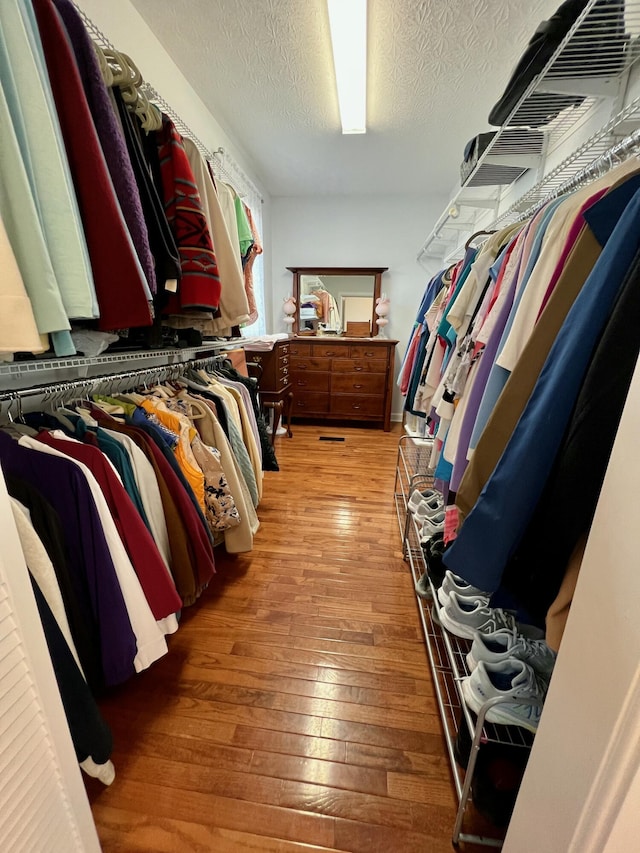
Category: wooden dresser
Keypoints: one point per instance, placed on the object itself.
(274, 381)
(343, 378)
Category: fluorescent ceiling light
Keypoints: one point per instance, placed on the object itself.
(348, 23)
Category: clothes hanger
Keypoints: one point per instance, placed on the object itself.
(467, 245)
(105, 68)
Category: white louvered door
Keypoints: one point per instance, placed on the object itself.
(43, 804)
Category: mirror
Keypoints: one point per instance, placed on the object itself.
(336, 300)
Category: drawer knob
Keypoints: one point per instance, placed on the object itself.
(368, 355)
(301, 383)
(357, 387)
(356, 406)
(358, 368)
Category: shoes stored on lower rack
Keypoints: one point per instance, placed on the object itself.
(454, 583)
(423, 587)
(432, 525)
(507, 643)
(515, 682)
(417, 497)
(466, 616)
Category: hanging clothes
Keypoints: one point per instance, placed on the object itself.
(122, 289)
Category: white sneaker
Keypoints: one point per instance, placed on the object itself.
(513, 680)
(454, 583)
(418, 496)
(431, 526)
(464, 616)
(506, 644)
(423, 587)
(428, 508)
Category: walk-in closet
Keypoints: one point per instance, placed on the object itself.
(319, 407)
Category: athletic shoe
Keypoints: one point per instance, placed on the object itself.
(505, 644)
(428, 508)
(516, 682)
(464, 616)
(418, 496)
(431, 526)
(423, 587)
(454, 583)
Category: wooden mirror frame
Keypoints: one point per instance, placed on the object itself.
(376, 272)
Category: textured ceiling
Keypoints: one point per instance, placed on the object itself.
(264, 69)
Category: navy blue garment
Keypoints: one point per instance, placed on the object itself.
(497, 522)
(90, 734)
(94, 576)
(535, 571)
(140, 420)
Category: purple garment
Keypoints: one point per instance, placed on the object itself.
(487, 359)
(93, 574)
(110, 136)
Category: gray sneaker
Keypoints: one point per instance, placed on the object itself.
(464, 616)
(516, 683)
(454, 583)
(505, 644)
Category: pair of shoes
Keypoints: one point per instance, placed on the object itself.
(507, 644)
(432, 525)
(433, 550)
(513, 681)
(465, 616)
(428, 508)
(454, 583)
(423, 587)
(417, 497)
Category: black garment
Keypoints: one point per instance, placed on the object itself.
(269, 460)
(566, 509)
(163, 246)
(604, 26)
(90, 734)
(46, 523)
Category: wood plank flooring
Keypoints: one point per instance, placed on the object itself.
(294, 711)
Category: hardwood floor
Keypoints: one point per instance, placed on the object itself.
(294, 710)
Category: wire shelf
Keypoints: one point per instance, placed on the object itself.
(592, 67)
(22, 374)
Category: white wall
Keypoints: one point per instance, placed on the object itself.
(356, 231)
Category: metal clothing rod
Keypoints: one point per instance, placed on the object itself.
(140, 375)
(246, 184)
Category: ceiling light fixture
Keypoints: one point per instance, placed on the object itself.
(348, 23)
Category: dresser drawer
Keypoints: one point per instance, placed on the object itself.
(282, 381)
(297, 348)
(358, 383)
(283, 349)
(356, 406)
(311, 381)
(362, 351)
(299, 364)
(329, 350)
(310, 403)
(359, 365)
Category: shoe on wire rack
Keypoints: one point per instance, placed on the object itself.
(505, 644)
(464, 616)
(431, 526)
(514, 681)
(428, 508)
(423, 587)
(418, 496)
(454, 583)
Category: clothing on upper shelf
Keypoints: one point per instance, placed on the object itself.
(542, 317)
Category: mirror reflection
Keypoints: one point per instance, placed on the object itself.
(329, 303)
(336, 300)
